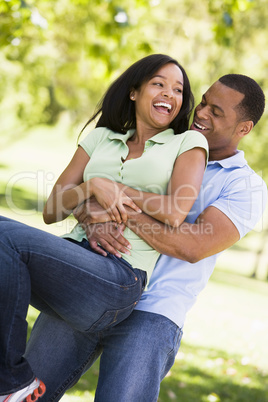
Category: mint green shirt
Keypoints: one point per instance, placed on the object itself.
(150, 172)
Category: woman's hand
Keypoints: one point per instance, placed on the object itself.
(111, 197)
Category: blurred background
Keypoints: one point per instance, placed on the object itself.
(56, 61)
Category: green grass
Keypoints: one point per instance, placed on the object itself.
(224, 353)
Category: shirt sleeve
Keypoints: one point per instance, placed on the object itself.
(194, 139)
(92, 139)
(243, 200)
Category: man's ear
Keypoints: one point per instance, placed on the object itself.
(244, 127)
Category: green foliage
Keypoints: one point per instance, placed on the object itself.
(61, 56)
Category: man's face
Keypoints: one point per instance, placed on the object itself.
(216, 118)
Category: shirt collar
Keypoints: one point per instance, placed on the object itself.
(237, 160)
(121, 137)
(160, 138)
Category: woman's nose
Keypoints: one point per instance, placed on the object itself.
(167, 92)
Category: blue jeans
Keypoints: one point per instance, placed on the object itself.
(87, 290)
(135, 356)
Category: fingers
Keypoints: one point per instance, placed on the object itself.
(110, 248)
(94, 245)
(128, 201)
(114, 214)
(118, 212)
(122, 213)
(110, 238)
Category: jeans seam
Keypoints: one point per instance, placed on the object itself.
(12, 326)
(124, 263)
(22, 250)
(176, 341)
(64, 387)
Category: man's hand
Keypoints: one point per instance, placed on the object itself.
(90, 212)
(109, 237)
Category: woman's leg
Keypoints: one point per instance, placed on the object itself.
(85, 289)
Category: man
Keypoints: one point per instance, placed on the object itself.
(137, 353)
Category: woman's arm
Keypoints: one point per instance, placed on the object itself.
(182, 191)
(70, 191)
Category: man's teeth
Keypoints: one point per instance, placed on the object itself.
(199, 126)
(163, 104)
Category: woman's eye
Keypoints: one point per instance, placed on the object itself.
(158, 83)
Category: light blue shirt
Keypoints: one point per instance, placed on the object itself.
(235, 189)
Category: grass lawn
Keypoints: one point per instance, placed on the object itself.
(224, 353)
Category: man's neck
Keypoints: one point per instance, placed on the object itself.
(218, 155)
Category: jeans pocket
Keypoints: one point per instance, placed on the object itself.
(111, 318)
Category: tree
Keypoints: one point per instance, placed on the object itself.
(61, 56)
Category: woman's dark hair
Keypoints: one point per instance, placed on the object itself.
(118, 111)
(253, 104)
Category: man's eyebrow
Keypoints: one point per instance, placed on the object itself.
(213, 105)
(164, 78)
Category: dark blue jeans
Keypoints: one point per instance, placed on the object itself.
(135, 356)
(87, 290)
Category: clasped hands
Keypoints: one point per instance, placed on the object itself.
(103, 217)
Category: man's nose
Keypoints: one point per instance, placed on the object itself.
(202, 112)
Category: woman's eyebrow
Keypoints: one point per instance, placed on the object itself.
(162, 76)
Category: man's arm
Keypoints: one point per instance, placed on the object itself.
(212, 233)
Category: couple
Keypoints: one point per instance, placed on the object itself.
(138, 352)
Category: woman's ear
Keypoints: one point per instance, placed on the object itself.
(132, 95)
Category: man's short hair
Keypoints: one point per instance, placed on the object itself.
(253, 104)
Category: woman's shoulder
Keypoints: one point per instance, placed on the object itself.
(95, 135)
(194, 137)
(190, 139)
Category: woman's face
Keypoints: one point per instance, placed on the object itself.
(159, 100)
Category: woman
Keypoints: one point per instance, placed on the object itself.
(134, 144)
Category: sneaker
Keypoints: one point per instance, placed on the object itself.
(28, 394)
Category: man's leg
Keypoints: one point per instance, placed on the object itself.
(59, 354)
(137, 354)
